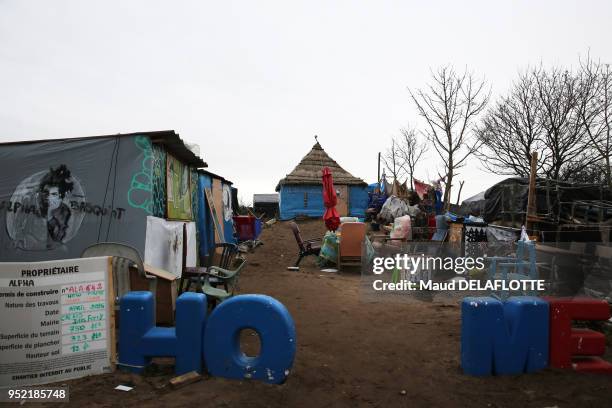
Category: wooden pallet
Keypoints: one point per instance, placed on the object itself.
(213, 214)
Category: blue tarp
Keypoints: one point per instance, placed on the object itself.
(205, 225)
(358, 201)
(307, 200)
(204, 222)
(301, 200)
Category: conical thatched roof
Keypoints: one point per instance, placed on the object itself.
(310, 168)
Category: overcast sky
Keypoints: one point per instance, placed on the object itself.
(252, 81)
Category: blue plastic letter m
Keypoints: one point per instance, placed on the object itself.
(504, 338)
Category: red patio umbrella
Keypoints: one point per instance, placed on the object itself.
(331, 217)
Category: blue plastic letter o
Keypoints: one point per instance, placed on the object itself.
(276, 330)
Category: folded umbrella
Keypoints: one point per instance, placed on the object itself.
(331, 216)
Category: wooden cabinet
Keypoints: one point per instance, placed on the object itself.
(165, 296)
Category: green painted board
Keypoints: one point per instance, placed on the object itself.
(178, 190)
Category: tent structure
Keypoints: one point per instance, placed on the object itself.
(473, 205)
(301, 191)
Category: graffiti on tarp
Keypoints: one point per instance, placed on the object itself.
(78, 206)
(47, 208)
(227, 203)
(39, 214)
(158, 194)
(141, 186)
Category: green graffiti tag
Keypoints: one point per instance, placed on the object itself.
(159, 181)
(141, 185)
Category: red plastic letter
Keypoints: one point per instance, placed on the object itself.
(577, 348)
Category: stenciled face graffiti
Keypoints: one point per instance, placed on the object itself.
(227, 203)
(40, 213)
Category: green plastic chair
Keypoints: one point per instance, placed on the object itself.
(220, 283)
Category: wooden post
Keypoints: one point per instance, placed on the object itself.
(110, 304)
(213, 215)
(378, 179)
(532, 208)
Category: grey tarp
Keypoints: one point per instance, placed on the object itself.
(58, 197)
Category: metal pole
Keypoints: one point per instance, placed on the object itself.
(531, 198)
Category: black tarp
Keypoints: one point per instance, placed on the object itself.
(235, 202)
(507, 200)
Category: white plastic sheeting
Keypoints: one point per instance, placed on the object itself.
(393, 208)
(164, 244)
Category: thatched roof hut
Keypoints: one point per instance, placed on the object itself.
(301, 190)
(308, 171)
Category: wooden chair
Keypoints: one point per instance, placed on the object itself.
(306, 247)
(219, 281)
(351, 239)
(224, 253)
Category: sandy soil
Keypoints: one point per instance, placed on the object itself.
(351, 352)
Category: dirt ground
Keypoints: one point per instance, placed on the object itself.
(351, 352)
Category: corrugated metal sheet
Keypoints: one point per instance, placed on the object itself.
(176, 147)
(213, 175)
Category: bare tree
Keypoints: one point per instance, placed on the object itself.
(550, 112)
(450, 105)
(441, 181)
(392, 160)
(461, 183)
(560, 93)
(410, 150)
(596, 112)
(512, 130)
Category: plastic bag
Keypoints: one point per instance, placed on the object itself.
(329, 249)
(402, 228)
(524, 235)
(393, 208)
(413, 210)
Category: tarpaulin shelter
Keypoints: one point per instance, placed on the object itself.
(59, 196)
(223, 194)
(473, 205)
(301, 190)
(421, 188)
(556, 201)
